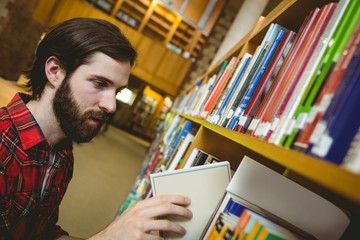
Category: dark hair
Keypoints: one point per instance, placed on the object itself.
(74, 42)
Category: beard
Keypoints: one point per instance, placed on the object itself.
(72, 121)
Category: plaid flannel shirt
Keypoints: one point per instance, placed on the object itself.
(27, 210)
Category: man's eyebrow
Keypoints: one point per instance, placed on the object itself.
(102, 78)
(98, 77)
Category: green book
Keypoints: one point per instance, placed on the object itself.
(330, 57)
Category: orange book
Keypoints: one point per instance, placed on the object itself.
(220, 85)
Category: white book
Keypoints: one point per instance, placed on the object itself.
(180, 153)
(205, 185)
(278, 195)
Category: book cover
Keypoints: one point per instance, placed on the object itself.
(285, 202)
(205, 185)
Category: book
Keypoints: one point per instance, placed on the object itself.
(333, 135)
(179, 136)
(214, 80)
(248, 74)
(225, 112)
(269, 52)
(218, 88)
(205, 185)
(208, 85)
(254, 66)
(282, 201)
(351, 160)
(224, 92)
(260, 124)
(320, 37)
(239, 222)
(198, 157)
(181, 151)
(266, 81)
(311, 110)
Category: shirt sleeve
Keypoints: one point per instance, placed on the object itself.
(58, 232)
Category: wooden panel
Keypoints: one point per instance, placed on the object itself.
(42, 11)
(195, 9)
(150, 54)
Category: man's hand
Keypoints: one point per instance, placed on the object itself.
(141, 220)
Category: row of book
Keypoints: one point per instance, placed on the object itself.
(297, 90)
(270, 201)
(252, 202)
(238, 222)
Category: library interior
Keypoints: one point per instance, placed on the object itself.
(246, 106)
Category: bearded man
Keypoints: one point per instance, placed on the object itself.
(79, 67)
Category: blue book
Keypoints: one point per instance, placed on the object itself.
(182, 131)
(242, 65)
(341, 121)
(256, 79)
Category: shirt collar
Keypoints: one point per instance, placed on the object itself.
(28, 129)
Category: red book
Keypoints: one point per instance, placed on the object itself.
(281, 81)
(329, 88)
(265, 81)
(309, 46)
(220, 85)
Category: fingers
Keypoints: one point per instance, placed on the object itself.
(175, 199)
(166, 209)
(152, 237)
(164, 225)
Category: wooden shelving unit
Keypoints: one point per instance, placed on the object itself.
(160, 23)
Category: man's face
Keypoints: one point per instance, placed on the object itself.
(84, 100)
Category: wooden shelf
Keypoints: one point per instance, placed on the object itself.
(326, 174)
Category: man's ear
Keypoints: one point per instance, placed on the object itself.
(54, 72)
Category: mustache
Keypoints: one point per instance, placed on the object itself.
(98, 115)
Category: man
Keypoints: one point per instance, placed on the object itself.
(79, 67)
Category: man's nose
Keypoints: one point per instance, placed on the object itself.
(108, 102)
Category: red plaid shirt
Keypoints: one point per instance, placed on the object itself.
(27, 211)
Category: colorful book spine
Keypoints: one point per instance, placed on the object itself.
(326, 82)
(339, 124)
(244, 62)
(260, 124)
(319, 39)
(266, 81)
(218, 88)
(256, 79)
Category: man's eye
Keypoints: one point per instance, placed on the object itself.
(99, 84)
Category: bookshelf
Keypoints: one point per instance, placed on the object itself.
(318, 174)
(179, 30)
